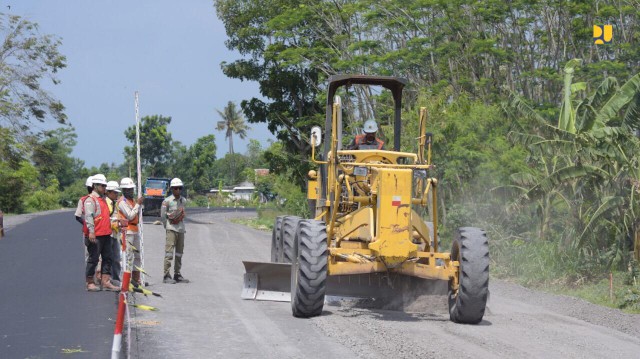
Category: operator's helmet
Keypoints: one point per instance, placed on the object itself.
(89, 182)
(113, 186)
(99, 179)
(176, 182)
(370, 126)
(127, 183)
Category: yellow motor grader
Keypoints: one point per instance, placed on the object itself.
(367, 238)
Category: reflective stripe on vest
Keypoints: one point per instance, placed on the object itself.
(361, 145)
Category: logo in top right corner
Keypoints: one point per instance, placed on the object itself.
(602, 34)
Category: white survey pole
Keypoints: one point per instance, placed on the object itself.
(140, 221)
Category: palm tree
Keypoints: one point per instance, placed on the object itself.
(233, 123)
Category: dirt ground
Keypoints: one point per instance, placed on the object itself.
(206, 318)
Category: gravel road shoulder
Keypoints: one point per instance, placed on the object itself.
(207, 318)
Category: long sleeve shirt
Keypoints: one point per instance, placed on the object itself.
(170, 207)
(128, 212)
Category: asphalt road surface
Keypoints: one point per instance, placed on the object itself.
(45, 311)
(44, 308)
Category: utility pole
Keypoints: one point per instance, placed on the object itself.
(141, 249)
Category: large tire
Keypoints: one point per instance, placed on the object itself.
(471, 249)
(288, 234)
(309, 269)
(276, 240)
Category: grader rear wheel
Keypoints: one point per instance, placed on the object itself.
(276, 240)
(309, 269)
(471, 249)
(289, 224)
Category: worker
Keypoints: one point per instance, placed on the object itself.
(172, 217)
(98, 222)
(129, 213)
(79, 214)
(80, 208)
(113, 191)
(368, 140)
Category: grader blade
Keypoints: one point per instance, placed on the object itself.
(272, 282)
(267, 281)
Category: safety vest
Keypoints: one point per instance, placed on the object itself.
(102, 221)
(132, 224)
(362, 145)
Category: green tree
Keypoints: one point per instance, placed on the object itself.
(255, 154)
(155, 145)
(19, 182)
(181, 163)
(203, 155)
(51, 154)
(230, 169)
(27, 59)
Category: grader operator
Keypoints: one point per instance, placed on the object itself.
(366, 238)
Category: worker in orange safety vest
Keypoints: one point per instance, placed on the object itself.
(368, 140)
(98, 222)
(129, 211)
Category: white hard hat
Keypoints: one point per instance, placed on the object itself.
(99, 179)
(370, 126)
(127, 183)
(176, 182)
(113, 186)
(89, 182)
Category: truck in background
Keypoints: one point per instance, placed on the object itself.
(155, 191)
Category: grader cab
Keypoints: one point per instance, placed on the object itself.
(367, 238)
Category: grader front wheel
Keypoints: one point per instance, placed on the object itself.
(471, 249)
(309, 269)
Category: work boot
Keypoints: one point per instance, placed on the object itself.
(91, 287)
(180, 279)
(106, 284)
(98, 278)
(168, 280)
(135, 278)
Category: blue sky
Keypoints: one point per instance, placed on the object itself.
(169, 51)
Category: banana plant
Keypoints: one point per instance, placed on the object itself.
(586, 163)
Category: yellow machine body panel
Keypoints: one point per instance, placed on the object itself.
(393, 236)
(312, 189)
(358, 225)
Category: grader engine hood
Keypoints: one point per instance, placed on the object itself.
(392, 242)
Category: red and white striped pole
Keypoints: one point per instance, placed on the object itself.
(122, 304)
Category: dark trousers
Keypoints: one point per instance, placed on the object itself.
(101, 247)
(115, 258)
